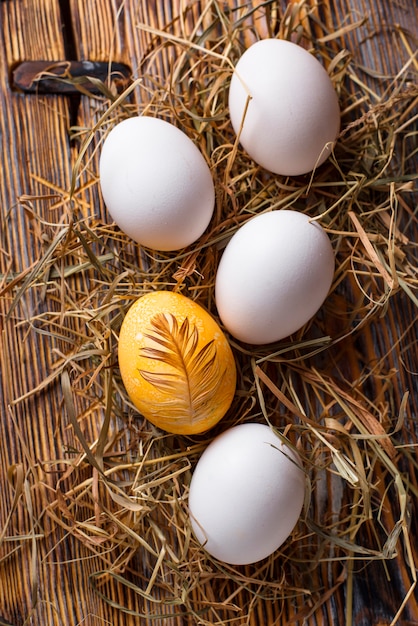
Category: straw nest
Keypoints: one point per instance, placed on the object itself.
(334, 389)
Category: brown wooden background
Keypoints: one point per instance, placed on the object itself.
(41, 582)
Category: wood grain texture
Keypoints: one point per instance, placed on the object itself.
(50, 576)
(34, 132)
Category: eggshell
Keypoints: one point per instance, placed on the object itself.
(246, 494)
(273, 276)
(156, 183)
(176, 363)
(293, 116)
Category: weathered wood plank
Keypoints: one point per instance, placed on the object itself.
(35, 583)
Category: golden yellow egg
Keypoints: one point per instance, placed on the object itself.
(176, 363)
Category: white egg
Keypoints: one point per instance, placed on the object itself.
(246, 494)
(273, 276)
(293, 116)
(156, 183)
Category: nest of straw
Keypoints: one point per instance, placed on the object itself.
(122, 485)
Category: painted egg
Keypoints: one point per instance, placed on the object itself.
(176, 363)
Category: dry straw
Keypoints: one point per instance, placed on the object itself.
(123, 485)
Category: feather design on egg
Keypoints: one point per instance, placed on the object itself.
(196, 374)
(176, 363)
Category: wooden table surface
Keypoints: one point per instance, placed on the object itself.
(41, 581)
